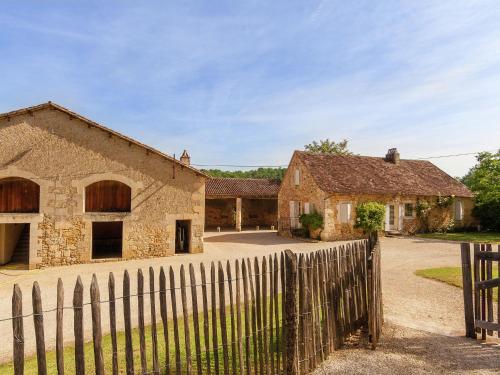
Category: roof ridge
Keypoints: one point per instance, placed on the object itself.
(51, 104)
(352, 156)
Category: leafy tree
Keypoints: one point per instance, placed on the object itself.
(329, 147)
(270, 173)
(370, 217)
(484, 181)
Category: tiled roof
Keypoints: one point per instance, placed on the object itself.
(241, 188)
(372, 175)
(90, 123)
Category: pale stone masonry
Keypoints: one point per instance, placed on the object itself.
(334, 185)
(63, 153)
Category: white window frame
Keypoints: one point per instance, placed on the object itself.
(307, 208)
(347, 219)
(412, 210)
(459, 205)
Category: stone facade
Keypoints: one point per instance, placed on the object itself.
(328, 205)
(254, 212)
(63, 155)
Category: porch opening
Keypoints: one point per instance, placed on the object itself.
(107, 239)
(14, 244)
(182, 236)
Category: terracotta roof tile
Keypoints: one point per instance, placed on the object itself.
(372, 175)
(242, 187)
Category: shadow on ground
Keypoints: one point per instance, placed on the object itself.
(251, 238)
(406, 351)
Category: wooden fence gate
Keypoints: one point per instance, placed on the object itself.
(478, 295)
(282, 314)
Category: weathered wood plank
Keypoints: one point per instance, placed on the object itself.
(254, 319)
(215, 339)
(467, 290)
(178, 363)
(185, 314)
(290, 315)
(489, 291)
(59, 327)
(488, 256)
(95, 304)
(112, 322)
(206, 322)
(487, 325)
(477, 301)
(129, 350)
(39, 333)
(258, 311)
(272, 363)
(277, 313)
(18, 330)
(196, 324)
(222, 319)
(231, 311)
(238, 318)
(142, 335)
(164, 318)
(246, 305)
(154, 331)
(78, 327)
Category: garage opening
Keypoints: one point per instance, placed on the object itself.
(14, 244)
(107, 239)
(182, 236)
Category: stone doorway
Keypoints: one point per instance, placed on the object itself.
(15, 244)
(107, 239)
(182, 236)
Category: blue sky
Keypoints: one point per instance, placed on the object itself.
(248, 82)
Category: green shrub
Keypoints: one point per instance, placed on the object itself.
(311, 221)
(370, 216)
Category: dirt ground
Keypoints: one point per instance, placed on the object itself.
(424, 318)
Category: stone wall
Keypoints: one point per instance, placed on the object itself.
(64, 155)
(329, 205)
(306, 191)
(220, 213)
(261, 212)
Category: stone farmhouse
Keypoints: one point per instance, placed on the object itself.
(74, 191)
(334, 185)
(241, 203)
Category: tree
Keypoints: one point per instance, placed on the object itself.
(269, 173)
(484, 181)
(329, 147)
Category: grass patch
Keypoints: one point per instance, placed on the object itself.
(483, 237)
(452, 276)
(30, 363)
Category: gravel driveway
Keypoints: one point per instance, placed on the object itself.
(424, 317)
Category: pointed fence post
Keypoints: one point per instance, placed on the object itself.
(18, 330)
(467, 290)
(290, 314)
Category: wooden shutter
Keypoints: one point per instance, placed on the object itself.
(108, 196)
(19, 195)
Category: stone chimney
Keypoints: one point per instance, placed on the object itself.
(392, 156)
(185, 158)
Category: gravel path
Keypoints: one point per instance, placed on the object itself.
(424, 320)
(424, 317)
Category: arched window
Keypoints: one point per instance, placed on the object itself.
(108, 196)
(19, 195)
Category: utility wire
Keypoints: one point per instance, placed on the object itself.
(285, 165)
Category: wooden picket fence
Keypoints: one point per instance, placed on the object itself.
(479, 284)
(282, 314)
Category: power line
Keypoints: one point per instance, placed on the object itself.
(285, 165)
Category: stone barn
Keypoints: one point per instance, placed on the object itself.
(73, 191)
(239, 203)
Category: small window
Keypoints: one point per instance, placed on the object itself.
(297, 177)
(345, 212)
(306, 208)
(459, 210)
(408, 209)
